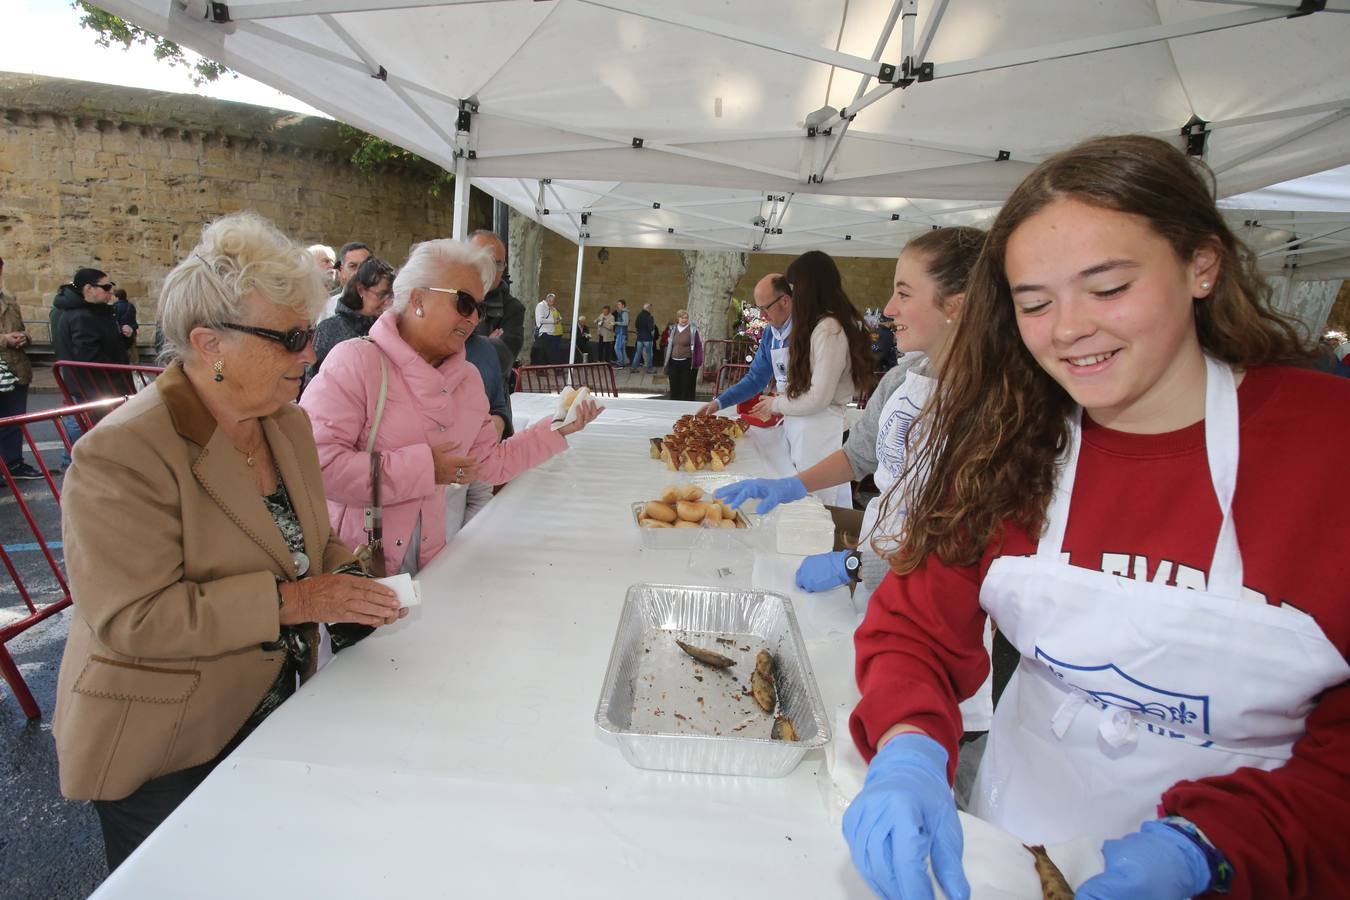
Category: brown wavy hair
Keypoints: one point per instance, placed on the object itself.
(999, 422)
(817, 292)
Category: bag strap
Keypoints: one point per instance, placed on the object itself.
(374, 513)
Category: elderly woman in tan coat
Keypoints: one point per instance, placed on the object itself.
(181, 645)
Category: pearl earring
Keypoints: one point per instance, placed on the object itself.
(418, 312)
(1204, 285)
(219, 365)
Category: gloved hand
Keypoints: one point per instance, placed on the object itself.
(1157, 862)
(904, 815)
(823, 571)
(769, 491)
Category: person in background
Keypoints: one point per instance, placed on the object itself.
(883, 346)
(436, 430)
(684, 356)
(583, 335)
(349, 259)
(1128, 477)
(179, 650)
(326, 262)
(621, 334)
(363, 298)
(503, 315)
(14, 401)
(645, 328)
(604, 334)
(548, 329)
(86, 331)
(124, 312)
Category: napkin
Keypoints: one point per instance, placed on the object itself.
(568, 402)
(409, 592)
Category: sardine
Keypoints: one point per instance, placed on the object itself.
(707, 657)
(764, 692)
(1053, 884)
(783, 729)
(764, 664)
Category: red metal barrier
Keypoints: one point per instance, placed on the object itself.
(599, 377)
(728, 375)
(43, 607)
(81, 381)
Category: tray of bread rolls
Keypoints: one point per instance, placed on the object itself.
(684, 516)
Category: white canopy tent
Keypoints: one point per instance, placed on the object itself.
(783, 125)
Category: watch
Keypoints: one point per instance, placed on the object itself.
(853, 565)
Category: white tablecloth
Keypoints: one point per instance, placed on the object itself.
(455, 753)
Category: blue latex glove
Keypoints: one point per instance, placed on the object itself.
(904, 814)
(769, 491)
(1157, 862)
(823, 571)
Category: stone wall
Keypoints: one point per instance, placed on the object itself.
(124, 179)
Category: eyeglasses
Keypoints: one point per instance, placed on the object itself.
(106, 287)
(777, 300)
(295, 340)
(465, 303)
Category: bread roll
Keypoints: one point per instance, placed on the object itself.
(683, 524)
(658, 511)
(691, 512)
(654, 523)
(670, 495)
(690, 492)
(714, 512)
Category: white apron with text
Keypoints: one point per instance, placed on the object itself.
(810, 438)
(1127, 687)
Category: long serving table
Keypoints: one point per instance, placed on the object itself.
(455, 753)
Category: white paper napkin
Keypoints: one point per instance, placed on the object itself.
(568, 403)
(409, 592)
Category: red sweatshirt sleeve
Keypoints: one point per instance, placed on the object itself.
(1286, 832)
(920, 651)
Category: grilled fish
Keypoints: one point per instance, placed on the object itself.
(1053, 884)
(764, 664)
(763, 690)
(783, 729)
(707, 657)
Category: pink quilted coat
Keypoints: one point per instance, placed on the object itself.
(426, 406)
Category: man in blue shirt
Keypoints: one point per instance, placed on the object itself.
(767, 368)
(621, 334)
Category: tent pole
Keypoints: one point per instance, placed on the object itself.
(460, 225)
(576, 302)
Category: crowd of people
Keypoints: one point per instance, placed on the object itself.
(1101, 456)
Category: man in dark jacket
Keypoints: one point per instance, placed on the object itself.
(84, 329)
(503, 314)
(645, 325)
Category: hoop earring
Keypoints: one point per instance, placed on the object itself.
(218, 366)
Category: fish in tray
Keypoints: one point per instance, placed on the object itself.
(707, 657)
(783, 729)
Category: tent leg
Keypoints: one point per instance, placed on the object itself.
(460, 226)
(576, 304)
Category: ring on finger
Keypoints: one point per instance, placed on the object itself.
(459, 473)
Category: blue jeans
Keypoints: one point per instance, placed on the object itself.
(643, 351)
(621, 345)
(73, 431)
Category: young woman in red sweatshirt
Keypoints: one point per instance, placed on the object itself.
(1131, 486)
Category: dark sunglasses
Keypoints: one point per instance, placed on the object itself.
(106, 287)
(465, 303)
(294, 340)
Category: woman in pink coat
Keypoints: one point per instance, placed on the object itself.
(435, 430)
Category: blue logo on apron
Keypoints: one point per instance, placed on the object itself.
(1158, 710)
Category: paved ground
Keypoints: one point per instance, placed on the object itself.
(51, 848)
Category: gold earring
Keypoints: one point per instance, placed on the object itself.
(219, 365)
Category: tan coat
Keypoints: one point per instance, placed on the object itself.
(11, 320)
(173, 562)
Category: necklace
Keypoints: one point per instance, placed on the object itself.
(251, 456)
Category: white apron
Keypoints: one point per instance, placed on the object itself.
(901, 409)
(810, 438)
(1126, 687)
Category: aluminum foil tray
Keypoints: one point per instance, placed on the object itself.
(689, 538)
(670, 712)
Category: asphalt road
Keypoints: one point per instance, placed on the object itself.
(50, 847)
